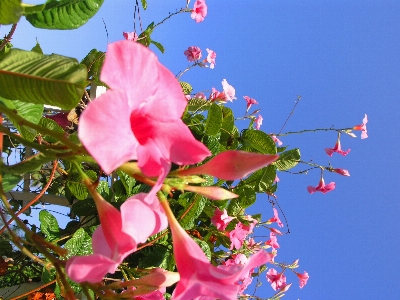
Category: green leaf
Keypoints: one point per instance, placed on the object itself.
(104, 190)
(10, 11)
(259, 141)
(247, 196)
(214, 120)
(10, 181)
(186, 87)
(144, 4)
(49, 225)
(28, 165)
(77, 188)
(196, 104)
(29, 111)
(84, 208)
(94, 62)
(204, 246)
(196, 205)
(127, 181)
(155, 256)
(158, 45)
(65, 14)
(37, 48)
(228, 122)
(79, 244)
(144, 37)
(234, 208)
(288, 159)
(42, 79)
(261, 179)
(52, 125)
(32, 8)
(5, 248)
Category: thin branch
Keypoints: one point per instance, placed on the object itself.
(8, 37)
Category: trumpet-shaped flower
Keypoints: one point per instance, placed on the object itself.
(130, 36)
(228, 90)
(118, 236)
(199, 11)
(258, 122)
(221, 219)
(321, 187)
(139, 117)
(273, 241)
(193, 53)
(250, 102)
(363, 128)
(303, 278)
(341, 172)
(211, 58)
(199, 278)
(275, 218)
(278, 281)
(337, 149)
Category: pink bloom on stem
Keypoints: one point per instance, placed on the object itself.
(211, 58)
(232, 164)
(337, 149)
(275, 218)
(250, 102)
(274, 230)
(273, 241)
(221, 219)
(218, 96)
(362, 127)
(276, 179)
(341, 172)
(144, 104)
(303, 278)
(278, 281)
(276, 140)
(193, 53)
(238, 235)
(130, 36)
(237, 259)
(228, 90)
(211, 192)
(199, 11)
(258, 122)
(321, 187)
(118, 236)
(198, 276)
(200, 95)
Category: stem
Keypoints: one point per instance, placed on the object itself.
(312, 130)
(8, 37)
(173, 14)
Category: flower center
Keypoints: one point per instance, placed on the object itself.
(142, 127)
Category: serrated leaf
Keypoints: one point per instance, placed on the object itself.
(77, 188)
(261, 179)
(84, 208)
(196, 104)
(155, 256)
(228, 122)
(186, 87)
(52, 125)
(65, 14)
(10, 181)
(79, 244)
(288, 159)
(29, 111)
(212, 144)
(214, 120)
(259, 141)
(42, 79)
(247, 196)
(104, 190)
(196, 205)
(158, 45)
(10, 11)
(49, 225)
(94, 62)
(127, 181)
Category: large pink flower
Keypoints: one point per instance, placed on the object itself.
(139, 118)
(118, 236)
(362, 127)
(321, 187)
(199, 278)
(199, 11)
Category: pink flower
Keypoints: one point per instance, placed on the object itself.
(278, 281)
(139, 117)
(250, 102)
(303, 278)
(211, 58)
(237, 259)
(193, 53)
(228, 90)
(276, 179)
(211, 192)
(221, 219)
(259, 122)
(198, 276)
(275, 218)
(239, 234)
(363, 127)
(321, 187)
(276, 140)
(199, 11)
(231, 165)
(273, 241)
(200, 95)
(341, 172)
(337, 149)
(118, 236)
(218, 96)
(130, 36)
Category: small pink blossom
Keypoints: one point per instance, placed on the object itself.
(237, 259)
(321, 187)
(130, 36)
(200, 95)
(217, 96)
(276, 140)
(336, 149)
(273, 241)
(211, 58)
(276, 179)
(278, 281)
(238, 235)
(275, 218)
(341, 172)
(188, 97)
(199, 11)
(274, 230)
(228, 90)
(250, 102)
(221, 219)
(258, 122)
(363, 128)
(303, 278)
(193, 53)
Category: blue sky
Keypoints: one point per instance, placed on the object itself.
(342, 58)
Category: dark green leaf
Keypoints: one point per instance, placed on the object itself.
(214, 120)
(247, 196)
(261, 179)
(10, 11)
(52, 125)
(94, 62)
(259, 141)
(127, 181)
(144, 4)
(79, 244)
(77, 188)
(288, 159)
(28, 165)
(84, 208)
(204, 246)
(227, 124)
(42, 79)
(49, 225)
(196, 104)
(234, 208)
(196, 204)
(158, 45)
(10, 181)
(65, 14)
(37, 48)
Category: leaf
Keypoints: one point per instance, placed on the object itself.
(127, 181)
(186, 87)
(29, 111)
(196, 104)
(10, 11)
(259, 141)
(214, 120)
(84, 208)
(104, 190)
(52, 125)
(79, 244)
(288, 159)
(196, 205)
(65, 14)
(10, 181)
(28, 165)
(144, 37)
(42, 79)
(227, 124)
(159, 46)
(261, 179)
(204, 246)
(94, 62)
(49, 225)
(144, 4)
(247, 196)
(32, 8)
(77, 188)
(37, 48)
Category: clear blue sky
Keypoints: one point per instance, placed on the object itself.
(342, 57)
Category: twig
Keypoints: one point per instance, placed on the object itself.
(8, 37)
